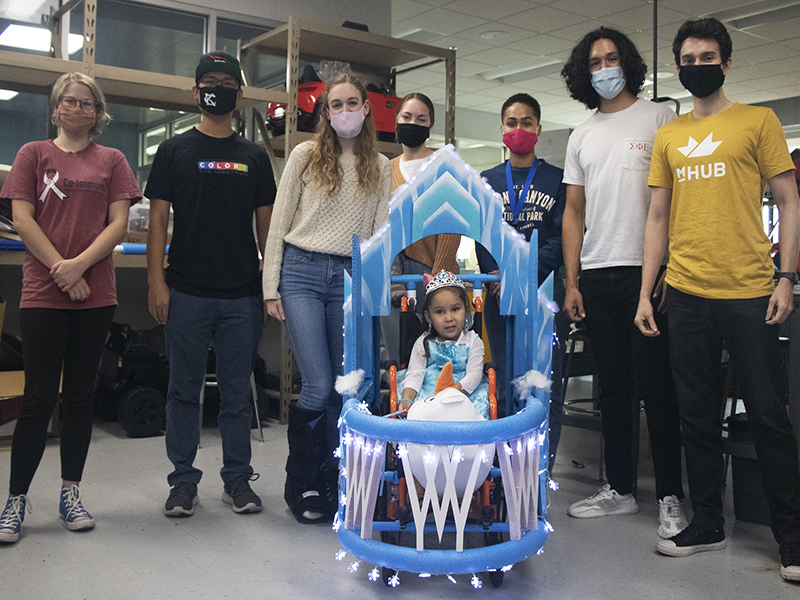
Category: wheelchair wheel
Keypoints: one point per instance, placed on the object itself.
(495, 577)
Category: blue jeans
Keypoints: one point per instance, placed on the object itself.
(234, 327)
(312, 294)
(697, 327)
(627, 360)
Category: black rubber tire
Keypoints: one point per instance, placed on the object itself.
(143, 412)
(496, 578)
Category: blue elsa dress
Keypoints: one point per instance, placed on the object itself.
(441, 353)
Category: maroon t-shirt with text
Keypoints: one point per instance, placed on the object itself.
(71, 193)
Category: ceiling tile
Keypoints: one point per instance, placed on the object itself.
(464, 45)
(515, 34)
(575, 33)
(490, 11)
(471, 100)
(504, 57)
(544, 19)
(543, 44)
(405, 9)
(640, 18)
(598, 8)
(704, 8)
(470, 67)
(776, 32)
(762, 54)
(472, 84)
(442, 21)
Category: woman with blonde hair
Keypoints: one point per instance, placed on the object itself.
(70, 200)
(332, 187)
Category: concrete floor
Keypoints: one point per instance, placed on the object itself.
(136, 552)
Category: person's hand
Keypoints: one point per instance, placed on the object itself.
(780, 303)
(573, 305)
(397, 298)
(494, 286)
(645, 320)
(404, 405)
(158, 301)
(660, 291)
(274, 309)
(80, 291)
(66, 273)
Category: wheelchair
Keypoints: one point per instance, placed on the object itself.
(379, 502)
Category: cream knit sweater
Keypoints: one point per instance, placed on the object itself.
(310, 218)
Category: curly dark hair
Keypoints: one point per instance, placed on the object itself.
(576, 72)
(704, 29)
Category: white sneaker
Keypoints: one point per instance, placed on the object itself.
(603, 503)
(671, 517)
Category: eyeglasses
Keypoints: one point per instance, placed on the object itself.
(229, 82)
(85, 105)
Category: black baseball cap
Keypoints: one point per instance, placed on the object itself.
(218, 62)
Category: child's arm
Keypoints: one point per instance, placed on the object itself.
(474, 363)
(415, 373)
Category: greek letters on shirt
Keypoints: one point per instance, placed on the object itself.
(222, 167)
(537, 205)
(700, 170)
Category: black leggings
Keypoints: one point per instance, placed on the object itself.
(53, 338)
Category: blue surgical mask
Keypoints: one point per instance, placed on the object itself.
(608, 82)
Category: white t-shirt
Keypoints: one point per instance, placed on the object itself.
(410, 168)
(609, 154)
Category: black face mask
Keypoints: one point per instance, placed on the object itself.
(702, 80)
(217, 100)
(412, 135)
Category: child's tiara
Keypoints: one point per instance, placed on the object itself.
(443, 279)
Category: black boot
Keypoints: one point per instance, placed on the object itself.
(308, 449)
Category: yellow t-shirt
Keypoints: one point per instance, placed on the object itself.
(716, 168)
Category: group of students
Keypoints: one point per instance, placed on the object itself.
(636, 178)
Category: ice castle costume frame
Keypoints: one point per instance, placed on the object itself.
(447, 196)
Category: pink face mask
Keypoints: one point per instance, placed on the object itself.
(520, 141)
(75, 120)
(348, 124)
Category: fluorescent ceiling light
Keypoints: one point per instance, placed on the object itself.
(23, 10)
(35, 38)
(523, 72)
(8, 94)
(759, 13)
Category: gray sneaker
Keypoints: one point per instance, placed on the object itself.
(671, 518)
(182, 500)
(240, 496)
(603, 503)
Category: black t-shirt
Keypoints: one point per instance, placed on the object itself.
(214, 186)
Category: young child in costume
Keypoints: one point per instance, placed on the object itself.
(448, 339)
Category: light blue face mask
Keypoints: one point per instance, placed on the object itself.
(608, 82)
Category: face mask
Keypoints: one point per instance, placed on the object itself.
(348, 124)
(218, 100)
(412, 135)
(75, 120)
(608, 82)
(520, 141)
(701, 80)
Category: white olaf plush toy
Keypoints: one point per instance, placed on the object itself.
(447, 404)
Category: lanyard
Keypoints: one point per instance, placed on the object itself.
(516, 203)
